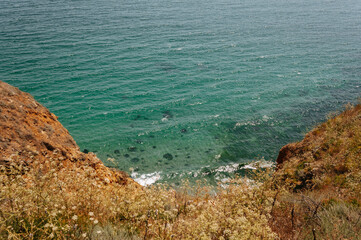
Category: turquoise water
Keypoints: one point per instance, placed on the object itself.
(184, 87)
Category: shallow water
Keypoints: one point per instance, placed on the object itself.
(181, 88)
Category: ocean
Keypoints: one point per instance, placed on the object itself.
(168, 90)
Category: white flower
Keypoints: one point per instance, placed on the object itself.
(75, 217)
(91, 214)
(95, 221)
(83, 235)
(99, 232)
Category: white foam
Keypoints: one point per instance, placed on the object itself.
(228, 168)
(259, 164)
(146, 179)
(196, 103)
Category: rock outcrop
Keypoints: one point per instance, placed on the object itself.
(328, 156)
(30, 133)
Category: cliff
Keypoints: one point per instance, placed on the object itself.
(328, 156)
(51, 190)
(30, 134)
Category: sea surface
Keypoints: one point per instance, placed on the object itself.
(167, 89)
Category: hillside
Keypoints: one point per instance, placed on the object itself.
(31, 134)
(328, 157)
(49, 189)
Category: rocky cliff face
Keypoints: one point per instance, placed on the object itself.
(328, 156)
(30, 133)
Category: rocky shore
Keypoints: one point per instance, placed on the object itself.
(52, 190)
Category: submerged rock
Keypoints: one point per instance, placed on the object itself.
(132, 149)
(183, 130)
(167, 114)
(168, 156)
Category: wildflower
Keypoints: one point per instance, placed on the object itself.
(95, 221)
(83, 235)
(75, 217)
(99, 232)
(91, 214)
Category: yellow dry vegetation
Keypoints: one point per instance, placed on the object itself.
(68, 203)
(315, 194)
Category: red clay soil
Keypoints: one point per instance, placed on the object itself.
(30, 133)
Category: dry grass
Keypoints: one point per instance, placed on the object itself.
(329, 156)
(52, 201)
(68, 203)
(323, 176)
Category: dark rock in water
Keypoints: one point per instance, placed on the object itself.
(108, 155)
(139, 141)
(168, 156)
(167, 114)
(206, 170)
(134, 160)
(140, 117)
(183, 130)
(126, 155)
(85, 151)
(132, 149)
(116, 151)
(142, 150)
(154, 146)
(167, 67)
(151, 136)
(188, 157)
(178, 149)
(176, 155)
(187, 165)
